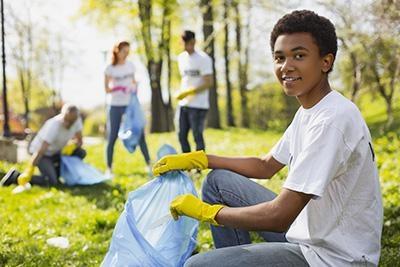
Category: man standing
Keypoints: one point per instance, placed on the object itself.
(196, 71)
(46, 148)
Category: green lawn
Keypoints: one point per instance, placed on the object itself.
(87, 215)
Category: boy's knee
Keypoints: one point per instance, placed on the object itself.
(194, 261)
(211, 184)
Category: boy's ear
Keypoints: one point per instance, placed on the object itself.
(327, 62)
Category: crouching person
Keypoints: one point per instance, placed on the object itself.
(60, 135)
(329, 211)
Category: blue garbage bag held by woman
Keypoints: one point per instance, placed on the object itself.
(146, 234)
(133, 124)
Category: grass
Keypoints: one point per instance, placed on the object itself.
(86, 215)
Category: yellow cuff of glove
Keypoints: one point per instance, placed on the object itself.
(69, 149)
(26, 176)
(191, 206)
(185, 161)
(185, 93)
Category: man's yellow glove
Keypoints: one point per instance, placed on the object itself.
(191, 206)
(26, 176)
(185, 161)
(69, 149)
(185, 93)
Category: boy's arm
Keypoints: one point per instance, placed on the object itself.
(252, 167)
(276, 215)
(260, 168)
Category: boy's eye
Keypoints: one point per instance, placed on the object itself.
(299, 56)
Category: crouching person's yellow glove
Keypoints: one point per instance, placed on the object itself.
(185, 93)
(69, 149)
(191, 206)
(26, 176)
(185, 161)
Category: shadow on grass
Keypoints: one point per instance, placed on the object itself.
(103, 195)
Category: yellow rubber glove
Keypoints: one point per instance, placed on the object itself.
(185, 161)
(191, 206)
(185, 93)
(69, 149)
(26, 176)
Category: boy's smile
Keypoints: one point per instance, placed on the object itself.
(300, 68)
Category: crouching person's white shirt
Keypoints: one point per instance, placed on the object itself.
(329, 154)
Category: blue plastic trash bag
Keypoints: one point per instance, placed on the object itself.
(75, 172)
(133, 124)
(146, 234)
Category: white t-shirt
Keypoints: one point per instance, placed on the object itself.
(329, 154)
(121, 77)
(192, 68)
(54, 133)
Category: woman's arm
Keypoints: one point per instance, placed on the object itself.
(106, 84)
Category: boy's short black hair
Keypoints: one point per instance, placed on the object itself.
(320, 28)
(188, 35)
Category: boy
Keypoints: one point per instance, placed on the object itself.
(330, 205)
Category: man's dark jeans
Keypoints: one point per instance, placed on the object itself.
(191, 118)
(49, 167)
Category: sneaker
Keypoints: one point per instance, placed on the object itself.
(21, 188)
(10, 177)
(109, 174)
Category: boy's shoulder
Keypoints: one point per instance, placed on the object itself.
(339, 112)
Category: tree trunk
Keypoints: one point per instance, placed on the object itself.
(25, 97)
(169, 114)
(243, 66)
(229, 105)
(209, 40)
(356, 77)
(159, 121)
(388, 97)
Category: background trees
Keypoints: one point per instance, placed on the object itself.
(235, 34)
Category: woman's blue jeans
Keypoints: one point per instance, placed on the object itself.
(114, 119)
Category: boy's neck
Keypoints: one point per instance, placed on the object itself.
(315, 95)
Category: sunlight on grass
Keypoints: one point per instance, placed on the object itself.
(86, 215)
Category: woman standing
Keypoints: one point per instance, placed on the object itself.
(119, 83)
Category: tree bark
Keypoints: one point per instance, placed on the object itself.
(213, 119)
(160, 121)
(243, 63)
(229, 105)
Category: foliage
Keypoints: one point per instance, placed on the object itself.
(95, 123)
(270, 107)
(388, 159)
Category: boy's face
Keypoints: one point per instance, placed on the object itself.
(189, 45)
(298, 65)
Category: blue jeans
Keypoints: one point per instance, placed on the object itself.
(191, 118)
(234, 246)
(114, 119)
